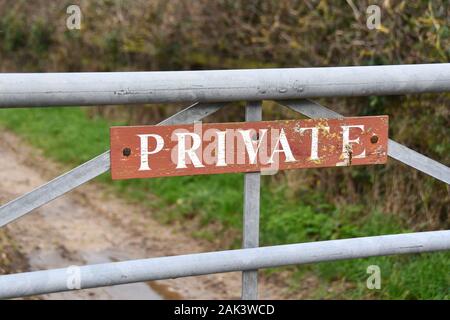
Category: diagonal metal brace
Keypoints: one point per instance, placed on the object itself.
(396, 150)
(88, 170)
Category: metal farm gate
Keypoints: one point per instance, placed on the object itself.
(209, 91)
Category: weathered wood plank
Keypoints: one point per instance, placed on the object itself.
(161, 151)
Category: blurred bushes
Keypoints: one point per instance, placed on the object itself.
(205, 34)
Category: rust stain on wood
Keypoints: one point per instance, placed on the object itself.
(213, 148)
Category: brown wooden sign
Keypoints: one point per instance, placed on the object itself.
(161, 151)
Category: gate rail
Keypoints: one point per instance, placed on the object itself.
(211, 90)
(107, 274)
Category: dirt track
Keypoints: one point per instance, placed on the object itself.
(91, 225)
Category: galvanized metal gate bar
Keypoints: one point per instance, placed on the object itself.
(66, 89)
(98, 275)
(397, 151)
(252, 187)
(88, 170)
(207, 86)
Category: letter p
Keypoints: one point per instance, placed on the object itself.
(144, 149)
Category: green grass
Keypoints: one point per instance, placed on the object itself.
(69, 136)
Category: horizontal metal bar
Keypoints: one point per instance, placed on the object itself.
(91, 276)
(66, 89)
(396, 150)
(88, 170)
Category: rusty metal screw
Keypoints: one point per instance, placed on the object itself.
(126, 152)
(374, 139)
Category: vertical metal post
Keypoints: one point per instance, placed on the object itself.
(253, 112)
